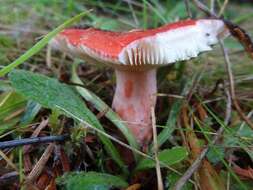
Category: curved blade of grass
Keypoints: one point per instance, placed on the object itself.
(39, 45)
(165, 134)
(156, 11)
(101, 106)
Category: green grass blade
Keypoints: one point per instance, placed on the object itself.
(39, 45)
(170, 124)
(144, 14)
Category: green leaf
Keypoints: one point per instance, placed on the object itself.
(212, 156)
(101, 106)
(4, 84)
(52, 94)
(39, 45)
(106, 23)
(31, 110)
(90, 181)
(166, 157)
(178, 10)
(171, 180)
(8, 125)
(9, 103)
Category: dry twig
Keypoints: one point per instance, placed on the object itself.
(8, 161)
(223, 7)
(32, 140)
(232, 87)
(39, 166)
(158, 168)
(205, 9)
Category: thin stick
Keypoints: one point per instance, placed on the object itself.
(39, 166)
(232, 87)
(157, 165)
(8, 178)
(36, 133)
(205, 9)
(33, 140)
(212, 6)
(223, 8)
(137, 23)
(228, 175)
(49, 57)
(8, 161)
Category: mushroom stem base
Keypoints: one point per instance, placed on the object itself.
(133, 99)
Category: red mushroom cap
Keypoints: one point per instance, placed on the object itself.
(164, 45)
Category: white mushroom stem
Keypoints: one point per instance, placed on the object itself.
(133, 99)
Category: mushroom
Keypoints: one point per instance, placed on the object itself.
(135, 56)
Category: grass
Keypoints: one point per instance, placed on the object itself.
(35, 22)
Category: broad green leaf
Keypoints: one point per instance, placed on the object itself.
(166, 157)
(90, 181)
(52, 94)
(101, 106)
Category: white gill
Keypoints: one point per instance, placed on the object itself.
(167, 47)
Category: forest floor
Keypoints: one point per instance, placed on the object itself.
(195, 104)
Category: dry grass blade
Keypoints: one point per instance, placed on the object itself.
(8, 161)
(223, 7)
(36, 132)
(232, 87)
(242, 36)
(158, 168)
(39, 166)
(204, 8)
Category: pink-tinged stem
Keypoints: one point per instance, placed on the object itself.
(133, 99)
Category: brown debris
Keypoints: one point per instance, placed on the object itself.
(241, 35)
